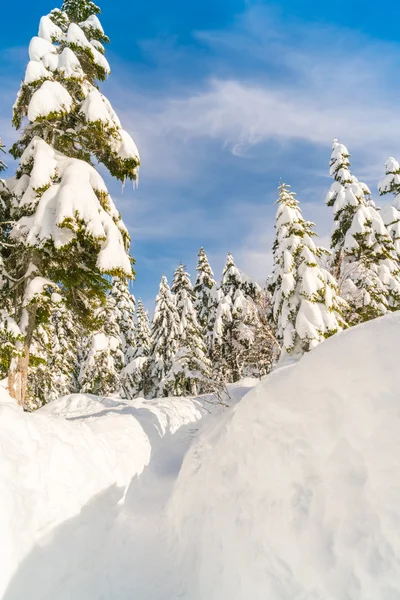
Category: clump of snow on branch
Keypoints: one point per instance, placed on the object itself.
(69, 204)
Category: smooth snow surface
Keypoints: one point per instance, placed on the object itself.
(297, 494)
(75, 521)
(292, 494)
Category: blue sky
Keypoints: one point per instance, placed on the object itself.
(223, 98)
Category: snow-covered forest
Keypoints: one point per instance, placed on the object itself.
(194, 447)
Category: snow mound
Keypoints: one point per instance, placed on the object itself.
(296, 493)
(55, 461)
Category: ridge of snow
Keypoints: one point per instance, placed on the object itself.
(295, 494)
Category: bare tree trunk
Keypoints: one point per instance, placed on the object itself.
(18, 373)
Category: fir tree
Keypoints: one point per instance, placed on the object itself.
(236, 321)
(53, 371)
(305, 297)
(11, 338)
(164, 334)
(66, 231)
(219, 323)
(60, 98)
(364, 258)
(265, 347)
(104, 357)
(391, 214)
(233, 279)
(124, 316)
(135, 377)
(190, 369)
(203, 290)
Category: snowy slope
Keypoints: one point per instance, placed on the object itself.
(293, 494)
(65, 473)
(297, 494)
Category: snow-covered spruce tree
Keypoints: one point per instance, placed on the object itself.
(60, 98)
(54, 369)
(135, 377)
(190, 369)
(164, 338)
(265, 347)
(390, 184)
(11, 338)
(306, 304)
(234, 279)
(103, 358)
(66, 231)
(142, 329)
(236, 321)
(203, 290)
(124, 316)
(219, 322)
(364, 258)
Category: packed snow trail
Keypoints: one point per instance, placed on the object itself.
(292, 494)
(75, 520)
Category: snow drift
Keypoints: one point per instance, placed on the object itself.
(297, 494)
(293, 494)
(55, 461)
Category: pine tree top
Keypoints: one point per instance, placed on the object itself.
(59, 100)
(286, 196)
(390, 184)
(205, 275)
(233, 278)
(229, 263)
(181, 282)
(289, 219)
(340, 163)
(80, 10)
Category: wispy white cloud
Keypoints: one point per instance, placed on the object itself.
(304, 85)
(308, 84)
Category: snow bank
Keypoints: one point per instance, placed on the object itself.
(296, 493)
(54, 461)
(293, 494)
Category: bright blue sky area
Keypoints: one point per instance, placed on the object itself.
(223, 98)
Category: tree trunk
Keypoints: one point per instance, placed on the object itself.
(18, 373)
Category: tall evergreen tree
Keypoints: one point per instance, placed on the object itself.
(143, 335)
(103, 358)
(214, 328)
(233, 279)
(125, 316)
(391, 213)
(306, 304)
(220, 322)
(236, 321)
(66, 231)
(11, 338)
(265, 347)
(190, 369)
(165, 340)
(364, 258)
(203, 290)
(54, 357)
(135, 377)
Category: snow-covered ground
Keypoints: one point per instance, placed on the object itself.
(292, 494)
(71, 504)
